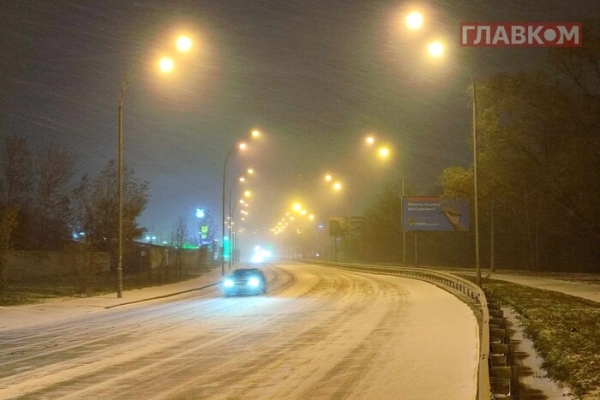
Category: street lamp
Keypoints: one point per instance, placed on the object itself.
(242, 145)
(241, 178)
(233, 229)
(384, 153)
(165, 65)
(414, 20)
(436, 50)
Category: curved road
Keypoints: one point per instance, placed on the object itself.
(321, 333)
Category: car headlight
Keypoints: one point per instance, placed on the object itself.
(253, 282)
(228, 283)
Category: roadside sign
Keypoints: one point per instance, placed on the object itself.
(435, 214)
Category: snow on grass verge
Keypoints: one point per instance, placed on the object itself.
(564, 330)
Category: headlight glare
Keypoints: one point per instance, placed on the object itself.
(228, 283)
(253, 282)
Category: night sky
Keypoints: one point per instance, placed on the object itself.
(314, 76)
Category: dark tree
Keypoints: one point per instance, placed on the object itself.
(97, 210)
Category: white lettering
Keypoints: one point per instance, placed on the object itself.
(573, 35)
(533, 34)
(500, 35)
(550, 35)
(518, 34)
(479, 35)
(465, 33)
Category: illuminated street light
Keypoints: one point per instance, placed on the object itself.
(242, 178)
(242, 145)
(384, 152)
(370, 140)
(165, 65)
(328, 178)
(436, 50)
(337, 186)
(414, 20)
(184, 44)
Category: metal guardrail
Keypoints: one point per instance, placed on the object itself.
(454, 283)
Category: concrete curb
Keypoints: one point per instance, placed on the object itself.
(162, 296)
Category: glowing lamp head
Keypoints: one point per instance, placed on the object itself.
(184, 44)
(414, 20)
(384, 152)
(436, 49)
(166, 64)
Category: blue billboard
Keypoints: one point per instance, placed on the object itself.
(435, 214)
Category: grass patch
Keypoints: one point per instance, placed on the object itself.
(565, 331)
(31, 292)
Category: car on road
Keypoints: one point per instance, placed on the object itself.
(244, 281)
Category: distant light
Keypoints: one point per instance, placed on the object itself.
(184, 43)
(414, 20)
(200, 213)
(328, 177)
(384, 152)
(370, 140)
(255, 133)
(297, 207)
(166, 64)
(243, 146)
(337, 186)
(436, 49)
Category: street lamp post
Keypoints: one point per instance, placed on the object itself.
(128, 79)
(436, 49)
(234, 231)
(241, 144)
(475, 188)
(402, 208)
(183, 44)
(241, 178)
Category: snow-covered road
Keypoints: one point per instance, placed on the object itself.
(320, 333)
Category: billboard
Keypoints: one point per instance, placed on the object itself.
(435, 214)
(339, 225)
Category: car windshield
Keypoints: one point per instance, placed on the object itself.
(242, 273)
